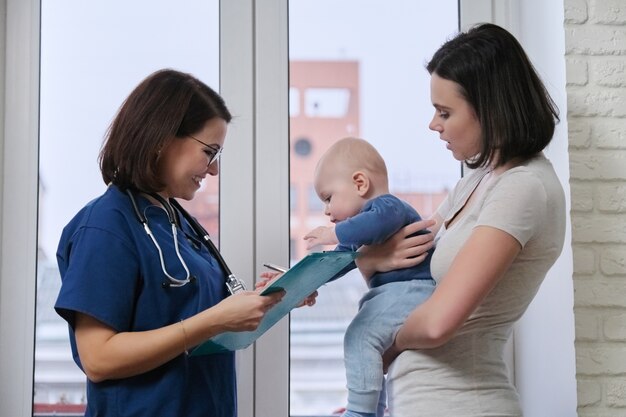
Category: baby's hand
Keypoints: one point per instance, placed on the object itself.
(322, 235)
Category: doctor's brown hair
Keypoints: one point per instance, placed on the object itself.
(168, 105)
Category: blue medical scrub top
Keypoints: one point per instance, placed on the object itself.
(110, 270)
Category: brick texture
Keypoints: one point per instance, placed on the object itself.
(595, 44)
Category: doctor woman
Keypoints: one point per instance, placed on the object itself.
(140, 288)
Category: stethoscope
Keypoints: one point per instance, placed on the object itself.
(233, 284)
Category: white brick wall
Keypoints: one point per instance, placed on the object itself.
(595, 37)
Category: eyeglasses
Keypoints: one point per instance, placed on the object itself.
(213, 153)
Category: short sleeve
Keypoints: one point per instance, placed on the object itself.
(101, 278)
(517, 205)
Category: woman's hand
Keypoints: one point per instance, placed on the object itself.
(108, 354)
(309, 301)
(390, 355)
(245, 310)
(397, 252)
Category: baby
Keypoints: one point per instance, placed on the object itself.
(351, 180)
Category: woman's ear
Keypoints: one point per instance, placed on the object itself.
(361, 182)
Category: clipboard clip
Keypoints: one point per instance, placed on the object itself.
(234, 285)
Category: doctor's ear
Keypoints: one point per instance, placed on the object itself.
(362, 182)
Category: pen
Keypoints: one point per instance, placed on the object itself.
(275, 268)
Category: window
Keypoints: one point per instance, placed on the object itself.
(293, 198)
(316, 206)
(302, 147)
(294, 102)
(88, 67)
(327, 102)
(370, 84)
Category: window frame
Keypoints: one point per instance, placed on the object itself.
(255, 228)
(19, 137)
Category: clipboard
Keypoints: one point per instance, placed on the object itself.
(301, 280)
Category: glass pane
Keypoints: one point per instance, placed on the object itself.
(357, 69)
(92, 55)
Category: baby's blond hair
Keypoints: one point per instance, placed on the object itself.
(354, 154)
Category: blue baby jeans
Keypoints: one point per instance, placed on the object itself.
(382, 310)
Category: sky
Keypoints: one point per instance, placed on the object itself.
(94, 53)
(392, 40)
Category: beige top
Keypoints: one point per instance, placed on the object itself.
(467, 377)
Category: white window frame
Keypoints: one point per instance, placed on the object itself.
(255, 180)
(19, 125)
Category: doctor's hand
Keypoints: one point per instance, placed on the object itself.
(398, 252)
(245, 310)
(309, 301)
(267, 276)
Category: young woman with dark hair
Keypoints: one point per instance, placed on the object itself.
(496, 235)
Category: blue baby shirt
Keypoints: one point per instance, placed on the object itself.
(377, 221)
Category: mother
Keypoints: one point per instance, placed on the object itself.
(497, 234)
